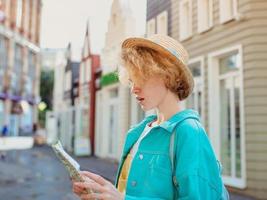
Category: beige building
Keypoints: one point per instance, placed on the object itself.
(19, 64)
(227, 43)
(116, 109)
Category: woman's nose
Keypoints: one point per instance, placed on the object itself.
(135, 89)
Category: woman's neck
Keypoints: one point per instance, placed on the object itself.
(168, 107)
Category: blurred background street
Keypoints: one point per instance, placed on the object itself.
(36, 174)
(58, 81)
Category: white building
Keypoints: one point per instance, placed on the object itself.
(116, 110)
(55, 59)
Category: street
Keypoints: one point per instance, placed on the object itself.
(36, 174)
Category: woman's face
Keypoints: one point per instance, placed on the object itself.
(150, 94)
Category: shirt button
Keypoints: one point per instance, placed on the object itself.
(141, 156)
(133, 183)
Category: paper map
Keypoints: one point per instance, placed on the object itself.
(70, 164)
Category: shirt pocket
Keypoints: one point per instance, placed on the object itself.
(161, 162)
(158, 179)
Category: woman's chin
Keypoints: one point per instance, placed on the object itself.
(146, 108)
(143, 108)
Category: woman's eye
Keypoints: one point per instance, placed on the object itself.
(130, 83)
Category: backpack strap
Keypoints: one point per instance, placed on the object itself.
(173, 161)
(172, 149)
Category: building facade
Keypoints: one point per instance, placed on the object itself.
(89, 68)
(226, 41)
(66, 116)
(60, 123)
(19, 64)
(116, 109)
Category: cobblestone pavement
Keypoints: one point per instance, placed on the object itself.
(36, 174)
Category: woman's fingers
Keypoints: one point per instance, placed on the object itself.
(91, 185)
(95, 177)
(93, 196)
(77, 190)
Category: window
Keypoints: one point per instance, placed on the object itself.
(32, 63)
(151, 28)
(204, 9)
(33, 17)
(2, 113)
(113, 123)
(3, 52)
(226, 103)
(6, 8)
(68, 80)
(19, 13)
(88, 69)
(114, 93)
(26, 15)
(185, 19)
(28, 86)
(162, 23)
(228, 10)
(3, 60)
(196, 99)
(31, 73)
(2, 11)
(1, 79)
(18, 64)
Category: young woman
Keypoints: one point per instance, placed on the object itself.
(167, 155)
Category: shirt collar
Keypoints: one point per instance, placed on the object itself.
(174, 120)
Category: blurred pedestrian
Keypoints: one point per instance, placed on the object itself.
(34, 128)
(4, 131)
(167, 155)
(39, 134)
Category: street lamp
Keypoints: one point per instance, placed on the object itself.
(42, 106)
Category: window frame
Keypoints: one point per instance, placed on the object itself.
(222, 15)
(151, 22)
(200, 12)
(162, 15)
(19, 12)
(185, 34)
(200, 60)
(214, 115)
(4, 52)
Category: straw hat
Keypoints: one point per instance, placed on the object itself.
(167, 46)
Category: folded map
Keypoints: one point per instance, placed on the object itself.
(70, 164)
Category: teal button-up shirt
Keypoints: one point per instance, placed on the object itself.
(151, 173)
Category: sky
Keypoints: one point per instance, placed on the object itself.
(64, 21)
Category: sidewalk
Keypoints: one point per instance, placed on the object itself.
(15, 142)
(36, 174)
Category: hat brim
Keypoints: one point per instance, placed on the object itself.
(142, 42)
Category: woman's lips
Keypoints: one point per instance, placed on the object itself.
(140, 99)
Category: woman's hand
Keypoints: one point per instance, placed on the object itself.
(102, 189)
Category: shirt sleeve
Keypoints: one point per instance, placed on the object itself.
(191, 157)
